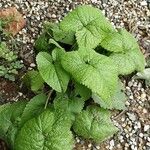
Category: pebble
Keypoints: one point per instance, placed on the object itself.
(146, 127)
(144, 3)
(32, 65)
(143, 95)
(54, 16)
(97, 147)
(112, 143)
(120, 15)
(89, 145)
(145, 111)
(131, 116)
(141, 135)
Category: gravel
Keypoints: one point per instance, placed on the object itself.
(134, 15)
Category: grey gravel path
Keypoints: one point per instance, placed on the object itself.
(134, 15)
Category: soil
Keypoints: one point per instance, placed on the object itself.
(13, 91)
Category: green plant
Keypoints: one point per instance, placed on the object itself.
(80, 59)
(9, 63)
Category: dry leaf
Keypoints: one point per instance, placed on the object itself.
(17, 22)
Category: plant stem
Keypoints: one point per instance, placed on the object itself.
(48, 98)
(119, 115)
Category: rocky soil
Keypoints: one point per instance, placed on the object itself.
(134, 15)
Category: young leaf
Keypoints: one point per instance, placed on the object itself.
(45, 132)
(131, 58)
(93, 70)
(117, 101)
(52, 72)
(58, 34)
(33, 80)
(34, 107)
(89, 24)
(41, 44)
(94, 123)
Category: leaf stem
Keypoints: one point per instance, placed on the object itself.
(120, 114)
(48, 98)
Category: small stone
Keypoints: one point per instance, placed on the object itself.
(53, 16)
(143, 3)
(20, 94)
(130, 84)
(139, 125)
(135, 148)
(131, 97)
(132, 147)
(144, 111)
(146, 128)
(97, 147)
(143, 95)
(122, 119)
(112, 143)
(131, 116)
(126, 145)
(78, 140)
(127, 103)
(123, 125)
(94, 1)
(89, 145)
(148, 144)
(32, 65)
(141, 135)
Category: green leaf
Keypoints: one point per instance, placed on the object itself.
(44, 132)
(10, 116)
(83, 91)
(52, 72)
(117, 101)
(41, 44)
(34, 107)
(93, 70)
(89, 24)
(57, 53)
(59, 35)
(94, 123)
(131, 59)
(113, 42)
(33, 80)
(52, 41)
(74, 105)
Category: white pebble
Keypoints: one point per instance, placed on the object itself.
(144, 111)
(98, 147)
(141, 135)
(53, 16)
(112, 143)
(146, 128)
(89, 145)
(32, 65)
(143, 95)
(144, 3)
